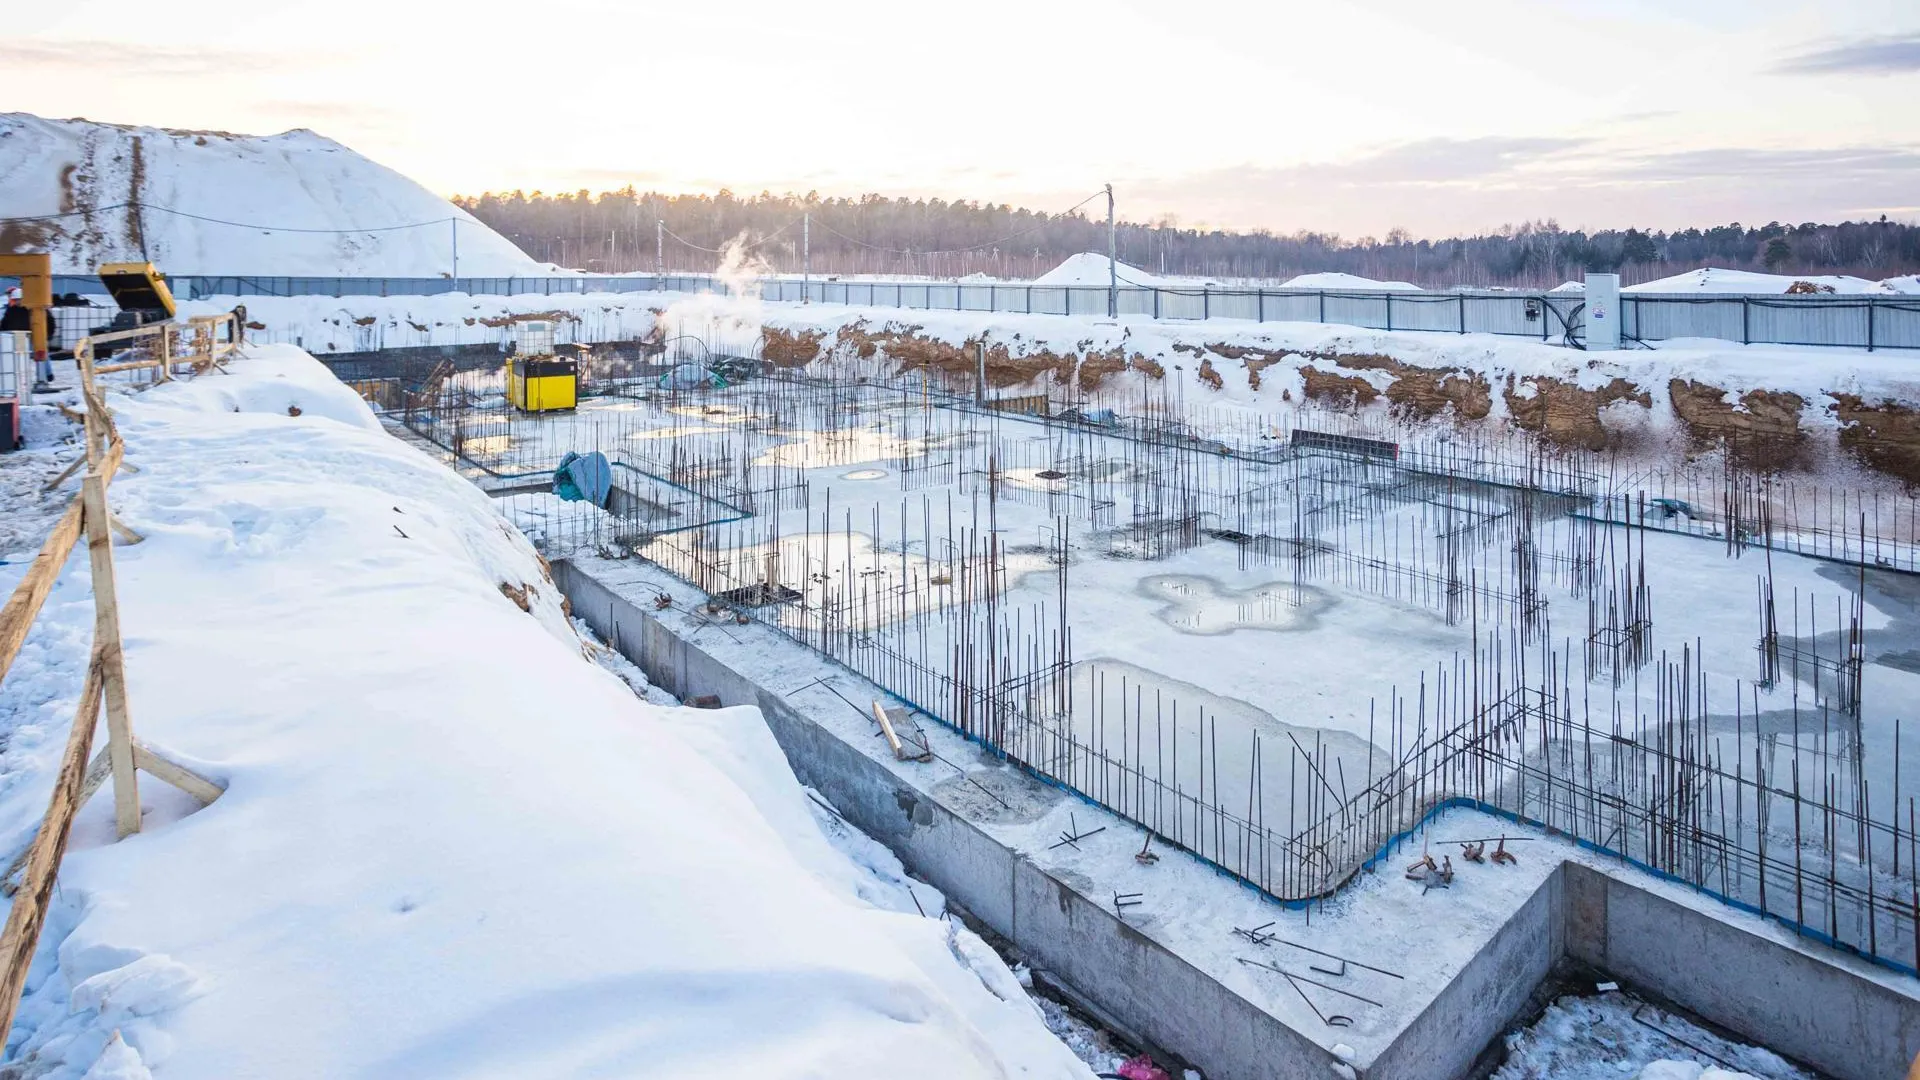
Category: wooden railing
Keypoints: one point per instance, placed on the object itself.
(81, 772)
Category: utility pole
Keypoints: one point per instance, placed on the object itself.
(659, 254)
(806, 258)
(1113, 268)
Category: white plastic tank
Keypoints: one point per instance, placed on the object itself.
(533, 338)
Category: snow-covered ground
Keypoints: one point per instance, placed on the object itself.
(449, 843)
(1714, 279)
(1615, 1036)
(1089, 269)
(1335, 280)
(296, 203)
(326, 325)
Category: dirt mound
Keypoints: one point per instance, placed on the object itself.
(1883, 437)
(498, 321)
(1761, 431)
(1346, 391)
(790, 348)
(1009, 364)
(1566, 414)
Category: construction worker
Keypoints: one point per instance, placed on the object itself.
(18, 317)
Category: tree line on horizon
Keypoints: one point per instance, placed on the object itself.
(614, 232)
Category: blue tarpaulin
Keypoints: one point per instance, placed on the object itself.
(584, 478)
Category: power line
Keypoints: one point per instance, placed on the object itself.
(977, 247)
(722, 251)
(222, 221)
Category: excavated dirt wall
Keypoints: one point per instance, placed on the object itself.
(1768, 430)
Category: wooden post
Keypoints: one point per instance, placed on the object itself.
(106, 637)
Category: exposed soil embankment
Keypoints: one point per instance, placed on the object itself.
(1567, 414)
(1588, 408)
(1760, 428)
(1884, 437)
(1008, 364)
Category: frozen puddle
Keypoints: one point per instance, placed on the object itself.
(1201, 605)
(1188, 740)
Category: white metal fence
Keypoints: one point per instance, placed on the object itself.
(1869, 322)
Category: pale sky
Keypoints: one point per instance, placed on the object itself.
(1438, 116)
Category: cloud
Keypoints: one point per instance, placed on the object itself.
(1892, 54)
(129, 58)
(1443, 186)
(1427, 162)
(1840, 166)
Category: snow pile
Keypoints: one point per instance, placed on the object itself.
(1334, 280)
(293, 181)
(1907, 285)
(1088, 269)
(1713, 279)
(449, 845)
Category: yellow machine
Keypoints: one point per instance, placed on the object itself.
(542, 383)
(538, 380)
(36, 286)
(137, 286)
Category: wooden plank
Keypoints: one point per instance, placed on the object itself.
(106, 638)
(165, 768)
(22, 933)
(131, 365)
(97, 771)
(886, 728)
(16, 618)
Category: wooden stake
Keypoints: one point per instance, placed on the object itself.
(106, 636)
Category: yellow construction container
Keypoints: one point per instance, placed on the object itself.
(542, 383)
(137, 286)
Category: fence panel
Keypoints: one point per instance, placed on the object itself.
(1412, 311)
(1656, 318)
(1233, 305)
(1136, 302)
(1798, 322)
(1878, 322)
(1896, 325)
(1182, 305)
(1357, 309)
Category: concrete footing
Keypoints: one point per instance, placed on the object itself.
(1826, 1010)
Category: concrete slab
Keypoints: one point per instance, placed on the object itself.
(1451, 969)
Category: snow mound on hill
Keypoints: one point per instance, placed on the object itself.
(1090, 269)
(449, 845)
(1335, 280)
(292, 181)
(1713, 279)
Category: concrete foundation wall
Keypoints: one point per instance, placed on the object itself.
(1486, 998)
(1138, 982)
(1802, 1003)
(1798, 1003)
